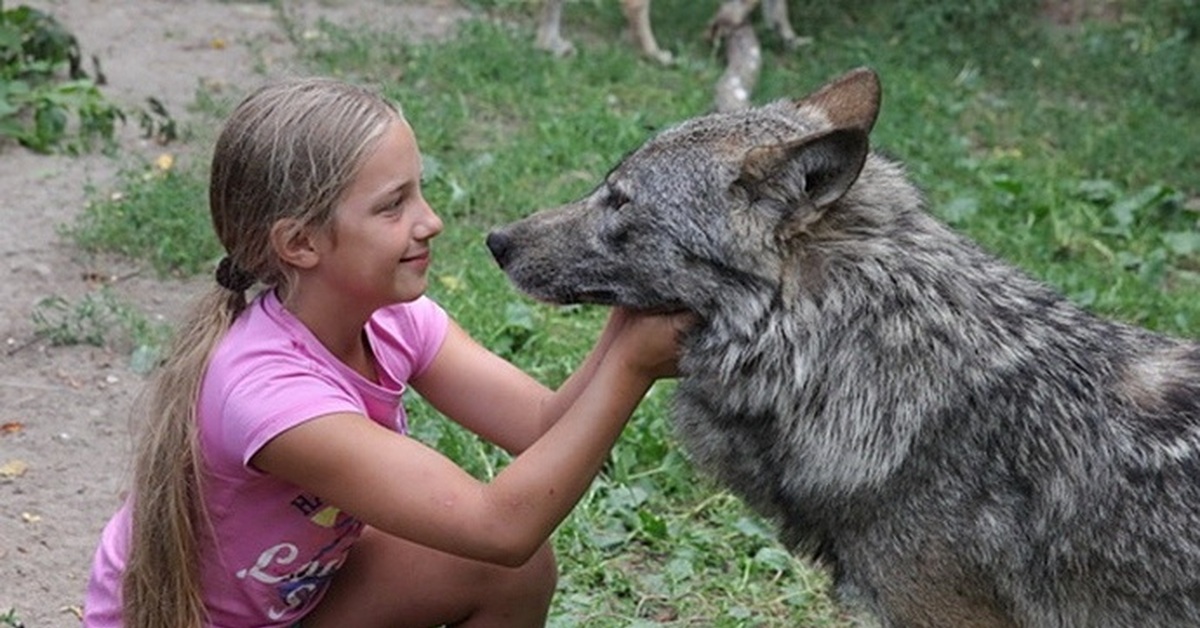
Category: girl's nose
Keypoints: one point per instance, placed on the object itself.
(429, 225)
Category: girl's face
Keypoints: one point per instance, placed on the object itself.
(378, 252)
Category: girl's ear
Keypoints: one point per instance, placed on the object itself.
(294, 243)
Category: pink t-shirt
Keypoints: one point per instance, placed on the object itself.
(274, 546)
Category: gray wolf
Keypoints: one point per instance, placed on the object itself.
(637, 14)
(958, 443)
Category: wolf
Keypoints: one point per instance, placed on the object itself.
(959, 444)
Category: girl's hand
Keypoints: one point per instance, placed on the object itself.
(648, 343)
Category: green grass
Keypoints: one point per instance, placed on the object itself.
(157, 215)
(1073, 152)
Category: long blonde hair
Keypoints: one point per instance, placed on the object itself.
(288, 151)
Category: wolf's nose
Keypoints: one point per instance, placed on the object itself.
(498, 244)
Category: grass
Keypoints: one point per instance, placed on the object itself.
(1071, 151)
(159, 215)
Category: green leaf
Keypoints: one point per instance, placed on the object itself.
(652, 525)
(1185, 243)
(1126, 210)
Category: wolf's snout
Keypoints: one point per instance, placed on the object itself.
(500, 246)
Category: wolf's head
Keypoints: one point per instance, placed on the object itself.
(704, 210)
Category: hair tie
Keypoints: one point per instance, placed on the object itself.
(233, 278)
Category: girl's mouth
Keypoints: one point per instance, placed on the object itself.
(420, 257)
(419, 262)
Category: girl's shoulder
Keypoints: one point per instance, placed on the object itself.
(413, 316)
(267, 344)
(411, 331)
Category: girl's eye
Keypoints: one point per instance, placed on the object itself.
(395, 204)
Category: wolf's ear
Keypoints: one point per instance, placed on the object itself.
(821, 167)
(826, 163)
(849, 101)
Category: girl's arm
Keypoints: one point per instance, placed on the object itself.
(496, 400)
(402, 487)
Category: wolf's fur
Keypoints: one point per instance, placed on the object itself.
(960, 444)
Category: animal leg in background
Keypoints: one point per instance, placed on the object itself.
(637, 15)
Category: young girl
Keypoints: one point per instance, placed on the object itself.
(275, 483)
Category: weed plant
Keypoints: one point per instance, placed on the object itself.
(101, 319)
(1072, 151)
(47, 99)
(10, 620)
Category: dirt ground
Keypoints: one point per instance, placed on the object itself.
(64, 437)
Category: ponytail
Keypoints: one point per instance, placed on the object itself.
(161, 587)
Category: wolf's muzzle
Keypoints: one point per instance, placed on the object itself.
(501, 247)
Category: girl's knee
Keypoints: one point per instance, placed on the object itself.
(536, 579)
(543, 571)
(389, 580)
(521, 596)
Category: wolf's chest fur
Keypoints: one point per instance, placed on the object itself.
(832, 410)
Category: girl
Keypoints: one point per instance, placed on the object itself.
(275, 482)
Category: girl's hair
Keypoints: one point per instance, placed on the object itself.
(288, 151)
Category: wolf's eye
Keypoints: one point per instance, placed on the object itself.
(616, 199)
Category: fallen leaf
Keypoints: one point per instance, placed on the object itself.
(12, 427)
(13, 469)
(69, 380)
